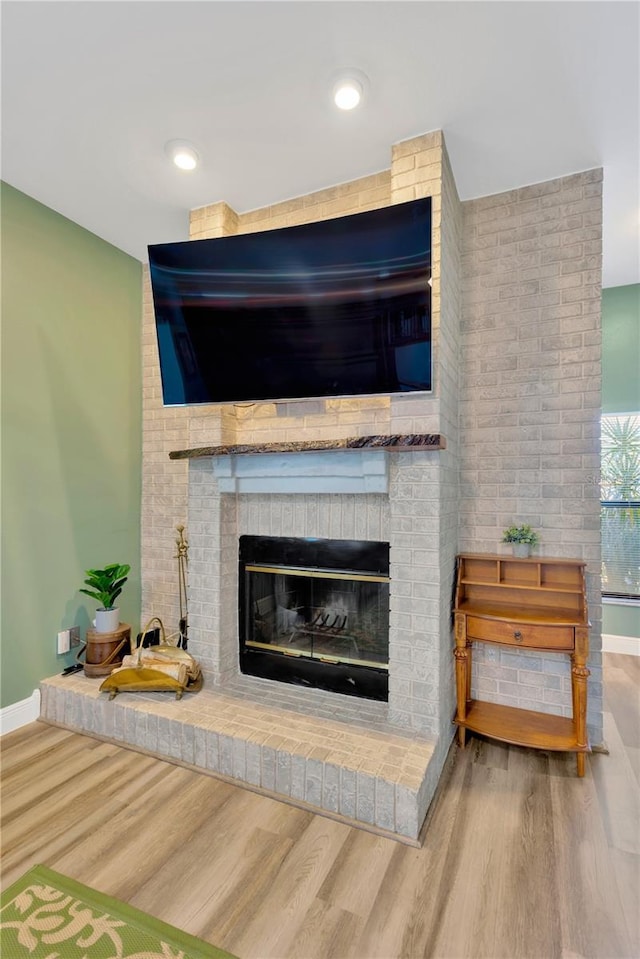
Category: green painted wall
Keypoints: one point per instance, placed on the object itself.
(71, 431)
(621, 394)
(620, 620)
(621, 349)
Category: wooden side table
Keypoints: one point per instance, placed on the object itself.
(528, 604)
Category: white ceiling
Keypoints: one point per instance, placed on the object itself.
(524, 92)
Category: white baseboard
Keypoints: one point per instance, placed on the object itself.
(621, 644)
(20, 714)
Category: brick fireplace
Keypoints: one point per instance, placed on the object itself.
(406, 498)
(322, 494)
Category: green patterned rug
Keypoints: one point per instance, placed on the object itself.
(47, 916)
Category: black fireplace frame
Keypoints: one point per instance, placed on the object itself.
(352, 556)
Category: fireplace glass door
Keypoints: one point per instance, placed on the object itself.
(313, 625)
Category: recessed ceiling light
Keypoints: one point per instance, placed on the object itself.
(182, 153)
(348, 89)
(347, 95)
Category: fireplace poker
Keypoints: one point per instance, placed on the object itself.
(182, 557)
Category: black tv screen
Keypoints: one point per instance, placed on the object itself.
(335, 308)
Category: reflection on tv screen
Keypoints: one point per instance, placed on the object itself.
(336, 308)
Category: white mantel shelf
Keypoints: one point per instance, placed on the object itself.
(398, 443)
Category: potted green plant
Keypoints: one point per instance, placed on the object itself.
(105, 587)
(522, 538)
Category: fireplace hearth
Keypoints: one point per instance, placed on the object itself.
(315, 612)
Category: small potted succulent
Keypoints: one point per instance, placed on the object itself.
(522, 538)
(105, 587)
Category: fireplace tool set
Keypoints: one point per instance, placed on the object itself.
(161, 666)
(182, 557)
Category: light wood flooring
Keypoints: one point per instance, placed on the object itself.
(520, 859)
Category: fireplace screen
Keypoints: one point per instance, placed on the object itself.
(321, 625)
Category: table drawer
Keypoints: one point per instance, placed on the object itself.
(519, 634)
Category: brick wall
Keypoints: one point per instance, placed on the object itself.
(530, 404)
(449, 392)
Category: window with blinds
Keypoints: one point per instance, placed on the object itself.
(620, 505)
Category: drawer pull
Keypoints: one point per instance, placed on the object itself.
(518, 636)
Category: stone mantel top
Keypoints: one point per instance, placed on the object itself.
(397, 443)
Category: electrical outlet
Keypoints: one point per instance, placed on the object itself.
(74, 636)
(64, 642)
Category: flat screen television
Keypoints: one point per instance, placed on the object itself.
(337, 308)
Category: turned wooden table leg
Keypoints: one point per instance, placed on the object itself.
(579, 676)
(461, 654)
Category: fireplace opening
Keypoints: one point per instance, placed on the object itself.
(315, 612)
